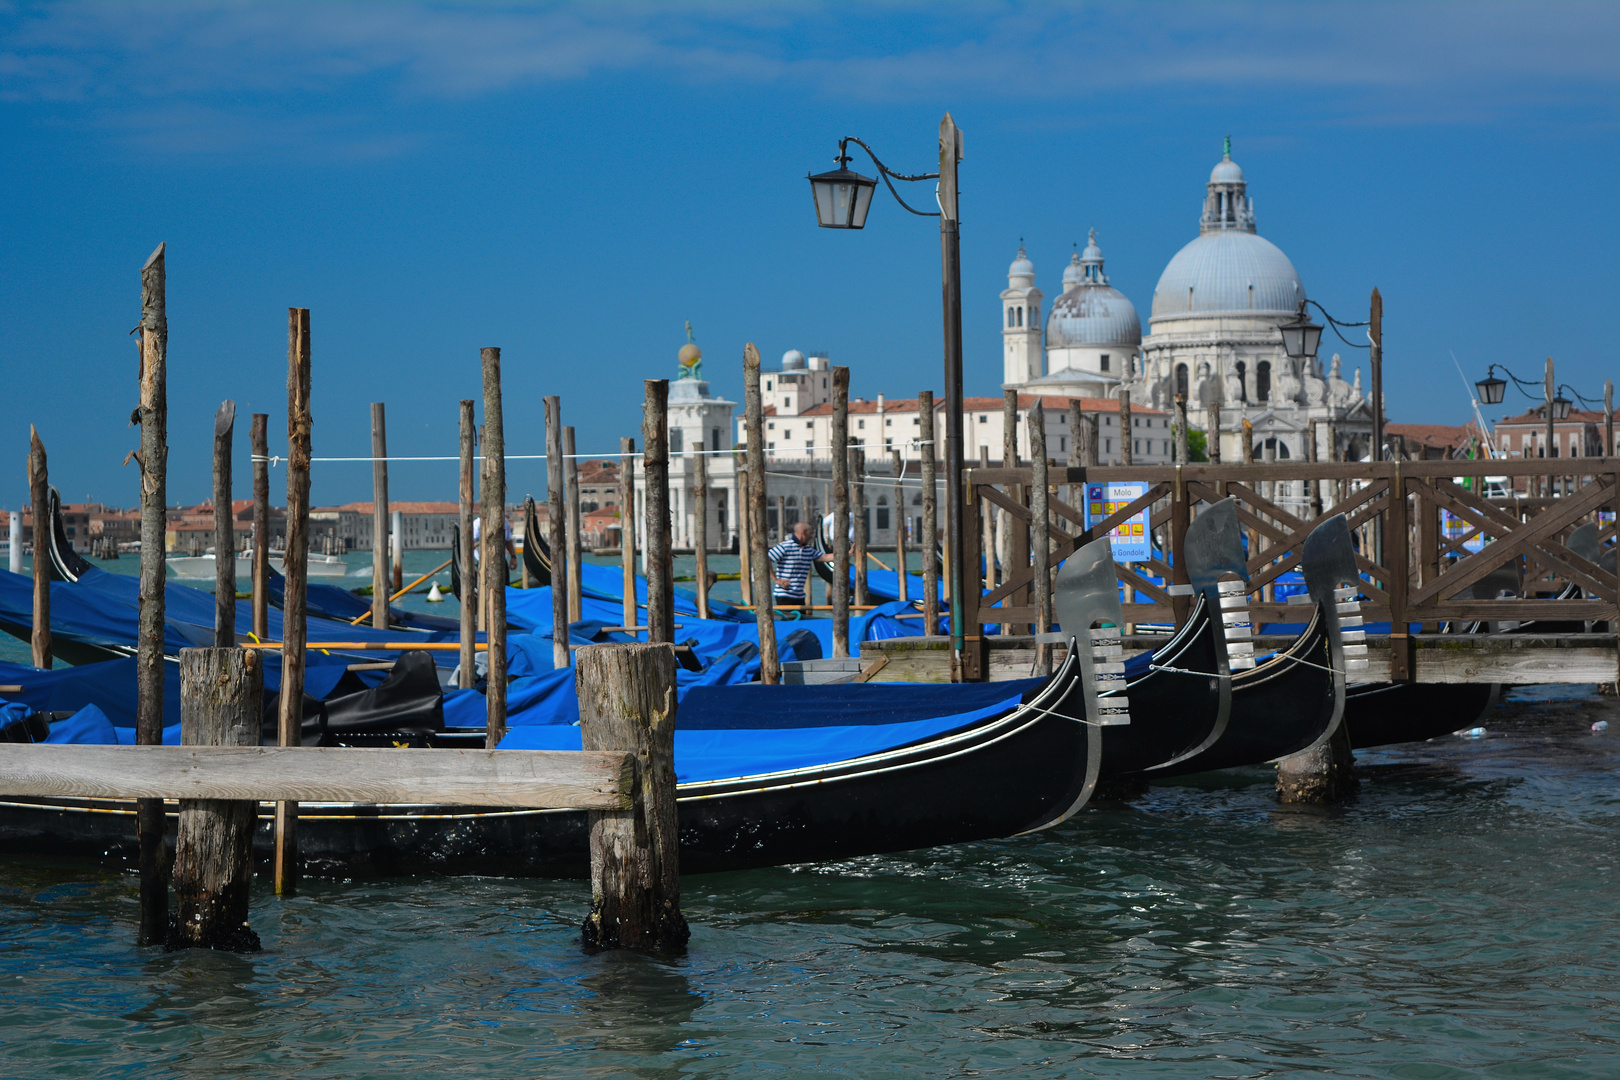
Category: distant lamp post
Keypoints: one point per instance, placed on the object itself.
(842, 196)
(1491, 388)
(842, 199)
(1560, 407)
(1301, 338)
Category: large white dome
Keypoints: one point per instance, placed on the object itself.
(1091, 311)
(1228, 272)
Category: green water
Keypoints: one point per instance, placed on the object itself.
(1458, 920)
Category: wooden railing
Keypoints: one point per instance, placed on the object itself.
(1412, 572)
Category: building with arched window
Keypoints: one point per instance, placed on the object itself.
(1213, 336)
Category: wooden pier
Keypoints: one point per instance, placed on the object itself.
(1413, 573)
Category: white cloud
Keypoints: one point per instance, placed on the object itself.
(148, 67)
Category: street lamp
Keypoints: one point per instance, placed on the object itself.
(1560, 407)
(1491, 388)
(1301, 338)
(842, 199)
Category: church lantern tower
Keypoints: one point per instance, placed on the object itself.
(1021, 324)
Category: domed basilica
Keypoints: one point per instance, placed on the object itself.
(1213, 336)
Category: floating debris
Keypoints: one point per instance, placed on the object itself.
(1601, 725)
(434, 596)
(1472, 733)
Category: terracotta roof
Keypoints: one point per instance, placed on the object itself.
(402, 507)
(1050, 402)
(1533, 417)
(1444, 436)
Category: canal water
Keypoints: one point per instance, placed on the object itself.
(1459, 920)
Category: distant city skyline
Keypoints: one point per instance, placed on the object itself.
(574, 183)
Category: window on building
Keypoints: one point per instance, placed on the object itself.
(767, 384)
(983, 419)
(1103, 362)
(888, 423)
(770, 446)
(860, 423)
(882, 513)
(1009, 318)
(1262, 380)
(1108, 446)
(1242, 371)
(714, 439)
(675, 440)
(1063, 445)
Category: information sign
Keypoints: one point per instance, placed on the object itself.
(1131, 540)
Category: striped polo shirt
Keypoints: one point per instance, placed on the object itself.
(791, 561)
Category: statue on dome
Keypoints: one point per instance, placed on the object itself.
(690, 357)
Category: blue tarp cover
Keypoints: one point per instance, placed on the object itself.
(716, 754)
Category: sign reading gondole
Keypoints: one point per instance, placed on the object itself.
(1130, 539)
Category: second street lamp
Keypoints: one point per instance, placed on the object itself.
(842, 199)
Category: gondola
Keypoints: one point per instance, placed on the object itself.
(1019, 762)
(847, 770)
(1179, 693)
(1293, 700)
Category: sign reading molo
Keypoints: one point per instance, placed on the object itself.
(1131, 539)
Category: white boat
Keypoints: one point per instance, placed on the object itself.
(201, 567)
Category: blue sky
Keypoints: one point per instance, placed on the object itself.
(572, 183)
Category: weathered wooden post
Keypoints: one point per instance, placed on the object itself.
(523, 564)
(576, 581)
(1608, 417)
(1212, 437)
(857, 470)
(655, 471)
(900, 528)
(987, 527)
(1017, 537)
(840, 494)
(397, 528)
(221, 702)
(153, 412)
(627, 702)
(760, 565)
(700, 537)
(469, 566)
(1040, 535)
(1126, 429)
(1078, 447)
(627, 530)
(39, 488)
(295, 570)
(928, 543)
(556, 527)
(259, 434)
(493, 506)
(1313, 456)
(1182, 447)
(224, 530)
(745, 536)
(379, 517)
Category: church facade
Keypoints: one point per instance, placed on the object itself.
(1212, 336)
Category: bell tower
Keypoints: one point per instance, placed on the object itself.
(1021, 324)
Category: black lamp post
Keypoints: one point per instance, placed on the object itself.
(842, 199)
(1301, 338)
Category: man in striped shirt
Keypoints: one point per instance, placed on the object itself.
(790, 566)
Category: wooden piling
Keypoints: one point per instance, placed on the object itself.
(857, 472)
(1181, 443)
(1125, 427)
(469, 567)
(655, 473)
(523, 564)
(259, 435)
(224, 530)
(493, 506)
(1040, 535)
(987, 524)
(379, 517)
(295, 571)
(221, 703)
(556, 532)
(153, 412)
(745, 540)
(1312, 455)
(1017, 538)
(759, 563)
(840, 495)
(1077, 453)
(397, 552)
(576, 581)
(1212, 436)
(928, 542)
(700, 535)
(39, 489)
(627, 530)
(627, 702)
(900, 527)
